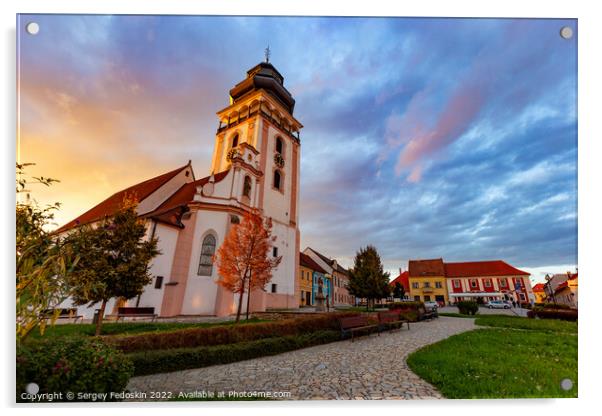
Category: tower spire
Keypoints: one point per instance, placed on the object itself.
(267, 54)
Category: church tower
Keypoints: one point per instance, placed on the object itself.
(258, 138)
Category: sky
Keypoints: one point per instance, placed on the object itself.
(427, 138)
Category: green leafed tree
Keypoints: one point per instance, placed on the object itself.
(42, 260)
(398, 291)
(367, 278)
(114, 260)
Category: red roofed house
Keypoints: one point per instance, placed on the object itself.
(487, 280)
(567, 292)
(255, 165)
(539, 291)
(404, 280)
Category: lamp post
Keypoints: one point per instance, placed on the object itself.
(550, 290)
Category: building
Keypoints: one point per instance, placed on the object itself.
(404, 280)
(567, 293)
(338, 274)
(310, 275)
(255, 165)
(539, 291)
(487, 280)
(427, 281)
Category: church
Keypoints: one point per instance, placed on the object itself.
(255, 164)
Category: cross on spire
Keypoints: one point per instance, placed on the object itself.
(267, 54)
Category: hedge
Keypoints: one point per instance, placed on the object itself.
(162, 361)
(413, 305)
(71, 364)
(563, 314)
(231, 334)
(467, 307)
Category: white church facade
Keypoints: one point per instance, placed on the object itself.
(255, 165)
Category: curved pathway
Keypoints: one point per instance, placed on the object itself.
(372, 367)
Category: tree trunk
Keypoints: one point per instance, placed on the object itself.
(249, 296)
(242, 292)
(101, 314)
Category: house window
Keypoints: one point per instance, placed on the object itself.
(457, 284)
(438, 285)
(277, 179)
(427, 298)
(246, 189)
(503, 283)
(415, 286)
(235, 140)
(487, 283)
(207, 252)
(474, 284)
(274, 287)
(417, 298)
(158, 282)
(275, 251)
(427, 284)
(522, 296)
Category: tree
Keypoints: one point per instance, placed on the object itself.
(398, 291)
(114, 260)
(243, 260)
(42, 259)
(367, 279)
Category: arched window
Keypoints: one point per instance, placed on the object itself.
(207, 252)
(246, 189)
(235, 141)
(277, 179)
(279, 145)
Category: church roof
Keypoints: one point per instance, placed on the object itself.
(110, 205)
(264, 76)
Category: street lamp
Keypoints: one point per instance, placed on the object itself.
(549, 286)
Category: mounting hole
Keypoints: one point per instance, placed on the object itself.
(566, 32)
(32, 28)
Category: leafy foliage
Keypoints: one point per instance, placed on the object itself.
(367, 278)
(398, 291)
(467, 307)
(114, 259)
(72, 364)
(243, 260)
(42, 259)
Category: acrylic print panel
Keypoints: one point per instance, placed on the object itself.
(282, 189)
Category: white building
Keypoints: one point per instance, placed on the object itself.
(255, 165)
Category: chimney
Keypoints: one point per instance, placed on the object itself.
(400, 270)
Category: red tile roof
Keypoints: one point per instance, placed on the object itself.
(308, 262)
(110, 205)
(482, 268)
(540, 287)
(403, 279)
(425, 268)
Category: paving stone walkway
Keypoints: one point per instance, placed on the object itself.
(370, 368)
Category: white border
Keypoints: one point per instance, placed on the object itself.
(589, 190)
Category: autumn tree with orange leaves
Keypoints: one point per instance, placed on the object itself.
(243, 260)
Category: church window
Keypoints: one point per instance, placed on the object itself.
(275, 251)
(246, 189)
(277, 179)
(235, 140)
(207, 252)
(158, 282)
(274, 287)
(279, 145)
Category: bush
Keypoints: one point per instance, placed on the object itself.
(413, 305)
(467, 307)
(551, 306)
(71, 364)
(161, 361)
(411, 316)
(231, 334)
(563, 314)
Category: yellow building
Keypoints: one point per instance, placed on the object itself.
(540, 293)
(427, 281)
(309, 274)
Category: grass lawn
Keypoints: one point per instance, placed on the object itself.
(501, 362)
(516, 322)
(126, 328)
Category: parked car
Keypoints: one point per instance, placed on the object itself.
(497, 304)
(430, 305)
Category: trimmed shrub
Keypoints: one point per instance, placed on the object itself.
(551, 306)
(467, 307)
(71, 364)
(230, 334)
(411, 316)
(162, 361)
(562, 314)
(412, 305)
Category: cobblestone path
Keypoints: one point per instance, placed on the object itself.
(372, 367)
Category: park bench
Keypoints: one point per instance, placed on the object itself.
(136, 312)
(353, 324)
(424, 314)
(63, 313)
(391, 319)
